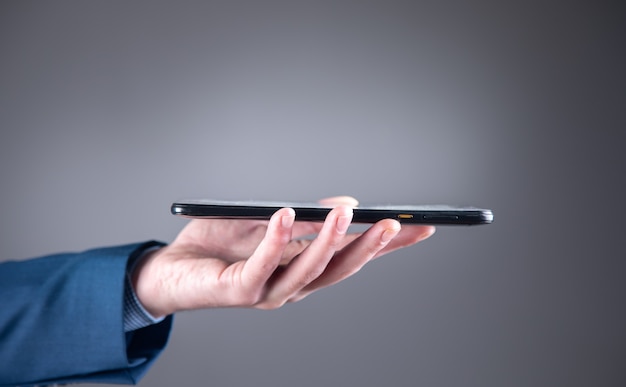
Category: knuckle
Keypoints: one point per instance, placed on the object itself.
(270, 305)
(311, 275)
(299, 297)
(249, 298)
(348, 273)
(374, 248)
(335, 241)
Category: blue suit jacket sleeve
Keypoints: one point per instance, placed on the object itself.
(61, 320)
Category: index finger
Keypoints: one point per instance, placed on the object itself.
(266, 258)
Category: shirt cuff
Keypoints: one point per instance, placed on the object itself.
(135, 315)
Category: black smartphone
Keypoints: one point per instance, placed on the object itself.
(408, 214)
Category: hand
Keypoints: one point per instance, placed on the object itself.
(262, 264)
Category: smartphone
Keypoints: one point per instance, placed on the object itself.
(262, 210)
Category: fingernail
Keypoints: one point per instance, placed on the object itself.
(343, 222)
(287, 221)
(389, 234)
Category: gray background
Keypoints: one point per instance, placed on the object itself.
(110, 111)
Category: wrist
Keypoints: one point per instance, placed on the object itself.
(142, 279)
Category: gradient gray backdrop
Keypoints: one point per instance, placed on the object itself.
(110, 111)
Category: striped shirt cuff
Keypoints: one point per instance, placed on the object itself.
(135, 315)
